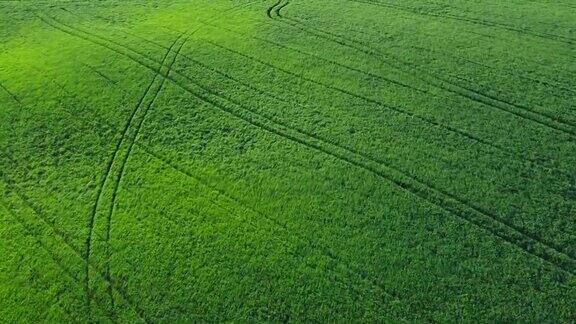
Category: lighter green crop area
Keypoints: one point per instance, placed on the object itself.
(287, 161)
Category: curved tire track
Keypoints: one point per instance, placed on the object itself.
(130, 140)
(269, 10)
(279, 8)
(530, 243)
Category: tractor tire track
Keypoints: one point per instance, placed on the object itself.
(269, 10)
(100, 74)
(138, 128)
(482, 22)
(30, 232)
(456, 206)
(546, 83)
(126, 156)
(233, 79)
(388, 107)
(65, 238)
(356, 271)
(110, 162)
(112, 205)
(107, 170)
(169, 164)
(279, 8)
(90, 221)
(11, 94)
(540, 79)
(92, 122)
(544, 119)
(459, 207)
(353, 271)
(113, 46)
(104, 178)
(529, 242)
(446, 84)
(463, 133)
(552, 84)
(320, 58)
(517, 155)
(237, 114)
(102, 42)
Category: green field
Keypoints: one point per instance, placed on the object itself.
(288, 161)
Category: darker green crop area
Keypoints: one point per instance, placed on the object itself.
(287, 161)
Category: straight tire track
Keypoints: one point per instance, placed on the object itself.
(433, 123)
(544, 119)
(415, 11)
(10, 94)
(519, 155)
(64, 237)
(326, 251)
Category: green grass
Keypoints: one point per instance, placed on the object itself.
(329, 161)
